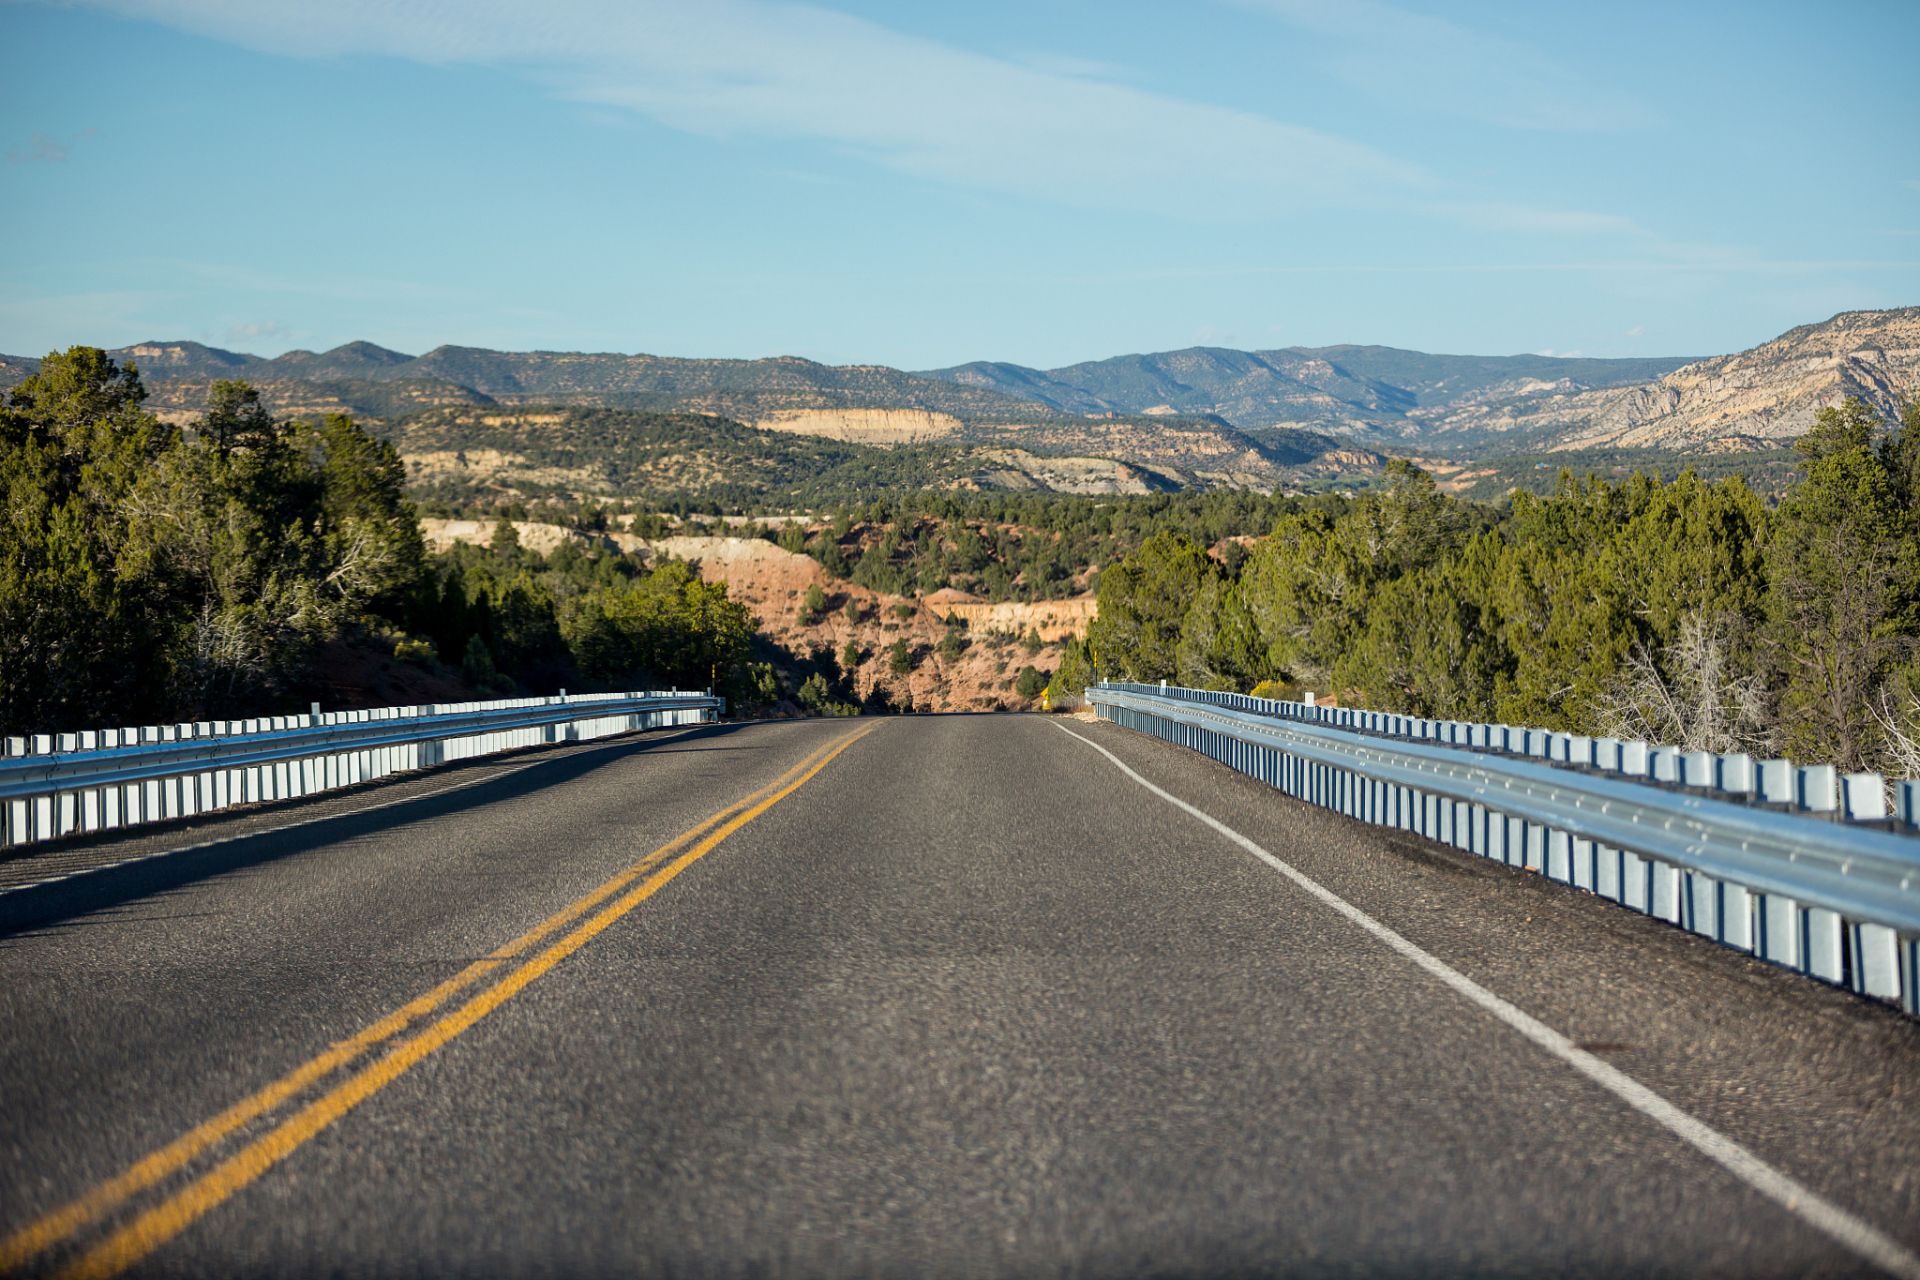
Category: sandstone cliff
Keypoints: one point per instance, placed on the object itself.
(885, 427)
(1753, 399)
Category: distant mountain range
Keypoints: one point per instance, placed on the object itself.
(1202, 407)
(742, 389)
(1370, 389)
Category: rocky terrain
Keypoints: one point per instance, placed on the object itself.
(883, 427)
(1050, 619)
(609, 453)
(1754, 399)
(773, 583)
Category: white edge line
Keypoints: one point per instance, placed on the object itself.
(1864, 1239)
(319, 817)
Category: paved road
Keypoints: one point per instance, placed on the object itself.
(965, 1001)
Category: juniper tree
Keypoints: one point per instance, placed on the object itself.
(1844, 598)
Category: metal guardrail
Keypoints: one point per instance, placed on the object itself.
(59, 784)
(1731, 848)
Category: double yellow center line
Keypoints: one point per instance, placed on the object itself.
(154, 1227)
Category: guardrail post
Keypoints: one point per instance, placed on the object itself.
(1778, 921)
(1822, 932)
(1820, 944)
(1863, 797)
(1819, 788)
(1606, 872)
(1636, 882)
(1876, 961)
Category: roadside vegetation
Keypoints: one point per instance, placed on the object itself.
(150, 573)
(1686, 612)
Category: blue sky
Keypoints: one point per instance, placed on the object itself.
(921, 184)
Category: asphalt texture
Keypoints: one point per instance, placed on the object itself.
(969, 1002)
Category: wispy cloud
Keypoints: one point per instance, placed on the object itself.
(44, 148)
(1429, 64)
(1513, 217)
(1030, 127)
(253, 330)
(1051, 128)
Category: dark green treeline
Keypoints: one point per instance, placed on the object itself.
(152, 574)
(1686, 613)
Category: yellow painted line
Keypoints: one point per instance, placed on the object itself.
(165, 1221)
(50, 1229)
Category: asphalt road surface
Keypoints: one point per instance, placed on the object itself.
(920, 996)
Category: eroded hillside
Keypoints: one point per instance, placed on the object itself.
(457, 454)
(1753, 399)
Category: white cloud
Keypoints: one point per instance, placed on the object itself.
(746, 68)
(1514, 217)
(1429, 64)
(47, 149)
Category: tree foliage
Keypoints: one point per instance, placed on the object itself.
(1143, 605)
(148, 572)
(1686, 612)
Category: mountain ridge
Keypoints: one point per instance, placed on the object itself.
(1373, 390)
(1758, 398)
(1221, 401)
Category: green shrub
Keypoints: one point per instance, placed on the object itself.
(831, 558)
(1030, 682)
(814, 693)
(816, 696)
(415, 649)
